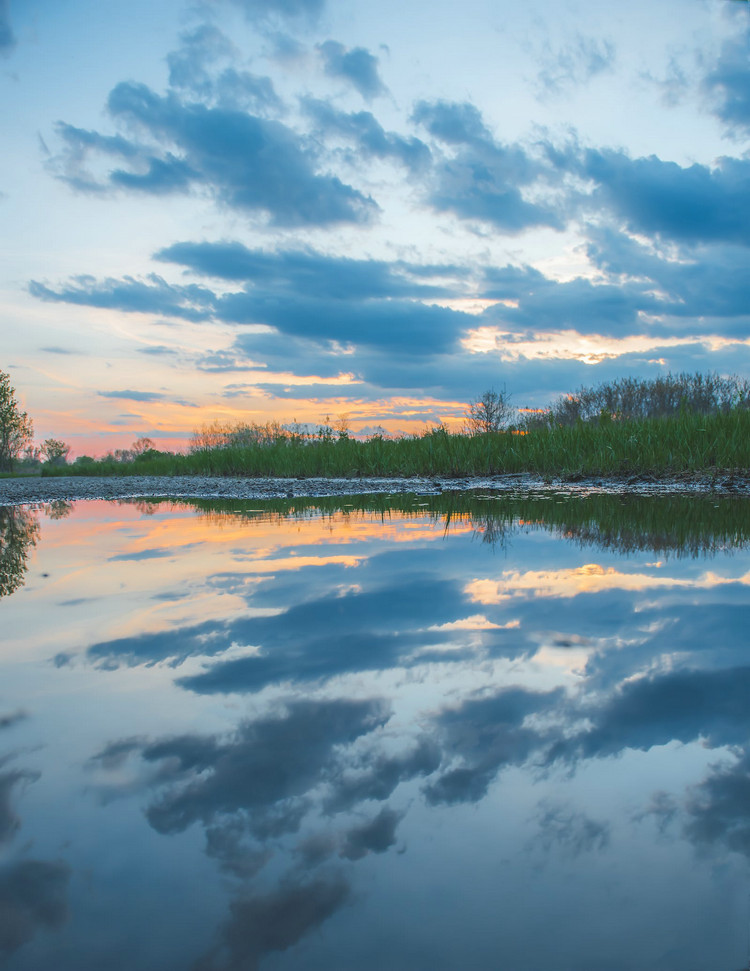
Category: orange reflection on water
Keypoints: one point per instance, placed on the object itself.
(590, 578)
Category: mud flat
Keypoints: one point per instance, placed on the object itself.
(29, 489)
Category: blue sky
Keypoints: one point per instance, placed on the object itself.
(278, 209)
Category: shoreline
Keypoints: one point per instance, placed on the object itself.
(23, 490)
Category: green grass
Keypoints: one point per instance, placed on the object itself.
(687, 443)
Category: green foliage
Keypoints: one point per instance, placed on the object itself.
(668, 395)
(663, 427)
(686, 443)
(16, 428)
(55, 451)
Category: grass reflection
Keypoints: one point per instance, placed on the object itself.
(670, 525)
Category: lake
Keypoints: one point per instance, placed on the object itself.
(458, 731)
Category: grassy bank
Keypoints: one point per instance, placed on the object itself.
(686, 443)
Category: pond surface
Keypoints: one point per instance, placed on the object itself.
(425, 732)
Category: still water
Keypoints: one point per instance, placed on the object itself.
(389, 734)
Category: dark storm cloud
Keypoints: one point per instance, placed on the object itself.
(260, 925)
(7, 37)
(356, 65)
(686, 204)
(368, 136)
(32, 896)
(376, 836)
(247, 162)
(263, 770)
(728, 82)
(482, 178)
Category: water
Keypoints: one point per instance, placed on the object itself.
(426, 732)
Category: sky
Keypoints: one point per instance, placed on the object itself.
(255, 210)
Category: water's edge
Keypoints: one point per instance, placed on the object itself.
(20, 490)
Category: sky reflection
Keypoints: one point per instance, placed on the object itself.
(445, 731)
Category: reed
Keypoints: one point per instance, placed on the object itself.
(686, 442)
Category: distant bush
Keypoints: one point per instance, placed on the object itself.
(637, 398)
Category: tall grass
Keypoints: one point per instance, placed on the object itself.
(683, 443)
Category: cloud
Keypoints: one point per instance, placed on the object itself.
(12, 718)
(249, 163)
(574, 64)
(260, 10)
(482, 736)
(317, 274)
(718, 809)
(728, 83)
(9, 820)
(356, 65)
(260, 925)
(368, 135)
(482, 179)
(32, 895)
(7, 37)
(680, 705)
(131, 296)
(375, 836)
(374, 629)
(381, 775)
(193, 70)
(132, 395)
(569, 830)
(261, 770)
(657, 198)
(57, 350)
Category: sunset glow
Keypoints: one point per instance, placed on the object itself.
(252, 211)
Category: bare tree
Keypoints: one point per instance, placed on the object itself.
(16, 428)
(141, 445)
(490, 412)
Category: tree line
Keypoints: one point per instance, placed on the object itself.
(621, 400)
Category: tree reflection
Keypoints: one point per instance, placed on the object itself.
(19, 532)
(679, 525)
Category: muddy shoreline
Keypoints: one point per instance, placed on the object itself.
(26, 489)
